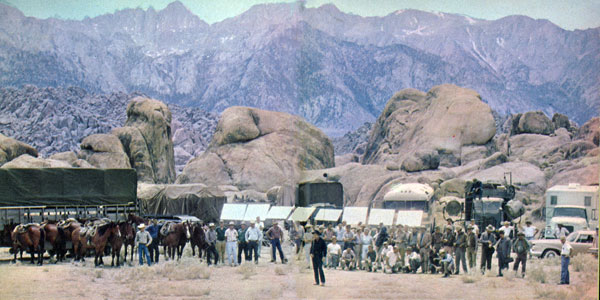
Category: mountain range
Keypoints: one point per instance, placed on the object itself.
(336, 70)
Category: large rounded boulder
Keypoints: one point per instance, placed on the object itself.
(11, 149)
(104, 151)
(535, 122)
(258, 149)
(415, 124)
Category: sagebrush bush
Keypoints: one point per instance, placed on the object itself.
(247, 270)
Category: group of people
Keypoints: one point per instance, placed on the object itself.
(415, 249)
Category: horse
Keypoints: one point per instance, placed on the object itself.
(55, 236)
(198, 239)
(136, 219)
(176, 239)
(98, 241)
(128, 237)
(68, 226)
(116, 242)
(30, 236)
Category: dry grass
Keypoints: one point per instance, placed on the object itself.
(280, 271)
(247, 270)
(584, 263)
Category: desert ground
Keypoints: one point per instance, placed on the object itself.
(191, 279)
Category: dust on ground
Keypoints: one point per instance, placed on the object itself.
(191, 279)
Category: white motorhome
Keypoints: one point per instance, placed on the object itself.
(574, 205)
(408, 196)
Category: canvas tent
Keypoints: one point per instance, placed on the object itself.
(67, 187)
(328, 215)
(279, 212)
(233, 211)
(256, 210)
(302, 214)
(409, 217)
(378, 215)
(354, 215)
(197, 200)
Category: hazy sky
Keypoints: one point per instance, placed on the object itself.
(569, 14)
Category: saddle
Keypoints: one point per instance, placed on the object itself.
(22, 228)
(91, 227)
(167, 228)
(64, 224)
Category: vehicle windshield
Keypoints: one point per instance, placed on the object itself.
(571, 238)
(570, 212)
(489, 207)
(406, 205)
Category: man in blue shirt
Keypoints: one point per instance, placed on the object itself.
(153, 248)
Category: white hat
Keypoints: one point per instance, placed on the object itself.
(231, 223)
(142, 226)
(211, 224)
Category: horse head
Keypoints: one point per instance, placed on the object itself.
(115, 229)
(186, 226)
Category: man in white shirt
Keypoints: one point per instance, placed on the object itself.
(260, 225)
(348, 259)
(334, 251)
(231, 244)
(393, 260)
(561, 231)
(475, 227)
(414, 260)
(253, 236)
(507, 229)
(530, 231)
(565, 257)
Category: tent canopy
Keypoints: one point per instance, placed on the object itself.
(67, 186)
(409, 217)
(328, 214)
(301, 214)
(354, 215)
(279, 212)
(233, 212)
(379, 215)
(256, 210)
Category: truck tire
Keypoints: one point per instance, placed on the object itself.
(549, 253)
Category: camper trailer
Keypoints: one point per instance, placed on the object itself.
(574, 206)
(408, 196)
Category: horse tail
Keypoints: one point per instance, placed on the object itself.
(42, 238)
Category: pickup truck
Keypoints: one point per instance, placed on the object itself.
(581, 241)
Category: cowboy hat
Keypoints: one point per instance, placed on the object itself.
(142, 226)
(211, 224)
(520, 234)
(231, 223)
(490, 227)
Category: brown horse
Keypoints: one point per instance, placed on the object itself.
(68, 226)
(176, 239)
(136, 219)
(198, 239)
(32, 238)
(128, 237)
(98, 242)
(116, 242)
(55, 236)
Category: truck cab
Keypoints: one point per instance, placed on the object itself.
(572, 217)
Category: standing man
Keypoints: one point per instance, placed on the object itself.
(261, 227)
(530, 231)
(221, 241)
(503, 252)
(487, 241)
(307, 239)
(508, 230)
(475, 227)
(317, 251)
(153, 231)
(561, 231)
(437, 238)
(381, 242)
(521, 247)
(448, 240)
(424, 248)
(296, 234)
(142, 240)
(231, 236)
(348, 238)
(339, 234)
(366, 241)
(211, 239)
(275, 234)
(471, 247)
(242, 245)
(253, 236)
(565, 258)
(460, 244)
(358, 247)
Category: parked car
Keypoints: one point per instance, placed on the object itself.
(581, 241)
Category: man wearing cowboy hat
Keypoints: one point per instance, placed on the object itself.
(142, 240)
(487, 241)
(231, 236)
(521, 247)
(471, 247)
(211, 239)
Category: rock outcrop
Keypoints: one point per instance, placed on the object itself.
(590, 131)
(104, 151)
(535, 122)
(417, 129)
(11, 149)
(27, 161)
(258, 149)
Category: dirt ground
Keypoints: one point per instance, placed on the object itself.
(190, 279)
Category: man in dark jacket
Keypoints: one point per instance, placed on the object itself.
(471, 247)
(487, 241)
(503, 247)
(437, 238)
(318, 250)
(521, 247)
(448, 240)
